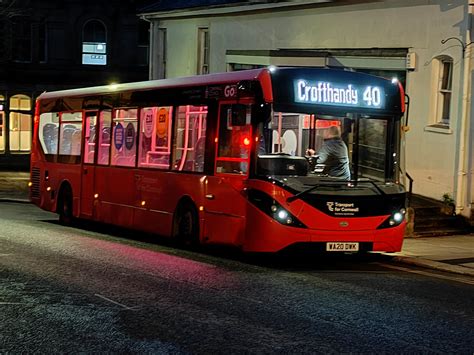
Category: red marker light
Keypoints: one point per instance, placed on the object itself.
(246, 141)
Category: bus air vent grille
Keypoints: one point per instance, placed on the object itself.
(35, 180)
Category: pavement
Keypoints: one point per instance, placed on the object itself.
(453, 253)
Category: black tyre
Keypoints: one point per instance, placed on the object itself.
(64, 208)
(186, 225)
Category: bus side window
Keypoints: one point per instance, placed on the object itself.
(105, 121)
(70, 133)
(48, 132)
(189, 141)
(235, 137)
(124, 137)
(90, 137)
(155, 138)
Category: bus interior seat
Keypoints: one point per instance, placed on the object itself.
(50, 137)
(66, 140)
(76, 142)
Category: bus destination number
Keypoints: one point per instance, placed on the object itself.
(342, 246)
(371, 96)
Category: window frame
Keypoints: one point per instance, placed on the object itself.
(203, 55)
(20, 111)
(442, 92)
(95, 42)
(23, 38)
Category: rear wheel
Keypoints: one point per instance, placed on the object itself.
(64, 208)
(186, 225)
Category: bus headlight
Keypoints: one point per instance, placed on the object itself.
(272, 208)
(395, 219)
(282, 214)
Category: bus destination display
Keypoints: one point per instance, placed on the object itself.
(327, 93)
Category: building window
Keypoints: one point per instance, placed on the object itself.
(94, 43)
(2, 124)
(20, 123)
(4, 45)
(161, 74)
(42, 43)
(203, 51)
(21, 42)
(143, 43)
(443, 78)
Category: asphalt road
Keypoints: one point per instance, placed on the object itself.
(95, 289)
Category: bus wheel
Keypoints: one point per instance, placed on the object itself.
(65, 206)
(186, 225)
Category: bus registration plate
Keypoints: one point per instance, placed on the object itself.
(342, 246)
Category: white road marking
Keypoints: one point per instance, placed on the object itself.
(114, 302)
(430, 274)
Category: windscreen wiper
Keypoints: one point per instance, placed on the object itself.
(331, 183)
(382, 192)
(297, 196)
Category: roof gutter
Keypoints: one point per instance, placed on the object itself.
(228, 10)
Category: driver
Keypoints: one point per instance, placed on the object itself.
(333, 154)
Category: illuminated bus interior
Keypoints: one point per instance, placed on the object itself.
(366, 138)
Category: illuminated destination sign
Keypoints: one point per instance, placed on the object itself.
(349, 95)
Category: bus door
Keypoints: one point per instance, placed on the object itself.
(225, 204)
(88, 161)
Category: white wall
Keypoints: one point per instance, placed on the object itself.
(418, 25)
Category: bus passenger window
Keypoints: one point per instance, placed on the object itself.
(190, 138)
(90, 137)
(124, 137)
(70, 135)
(155, 139)
(48, 132)
(235, 138)
(105, 121)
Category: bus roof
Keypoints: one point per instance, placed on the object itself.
(208, 79)
(278, 87)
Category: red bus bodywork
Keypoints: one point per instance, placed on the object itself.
(148, 199)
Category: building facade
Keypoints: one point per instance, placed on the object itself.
(424, 43)
(53, 45)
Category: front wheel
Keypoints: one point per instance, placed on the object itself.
(186, 225)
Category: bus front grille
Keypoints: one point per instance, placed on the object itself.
(35, 181)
